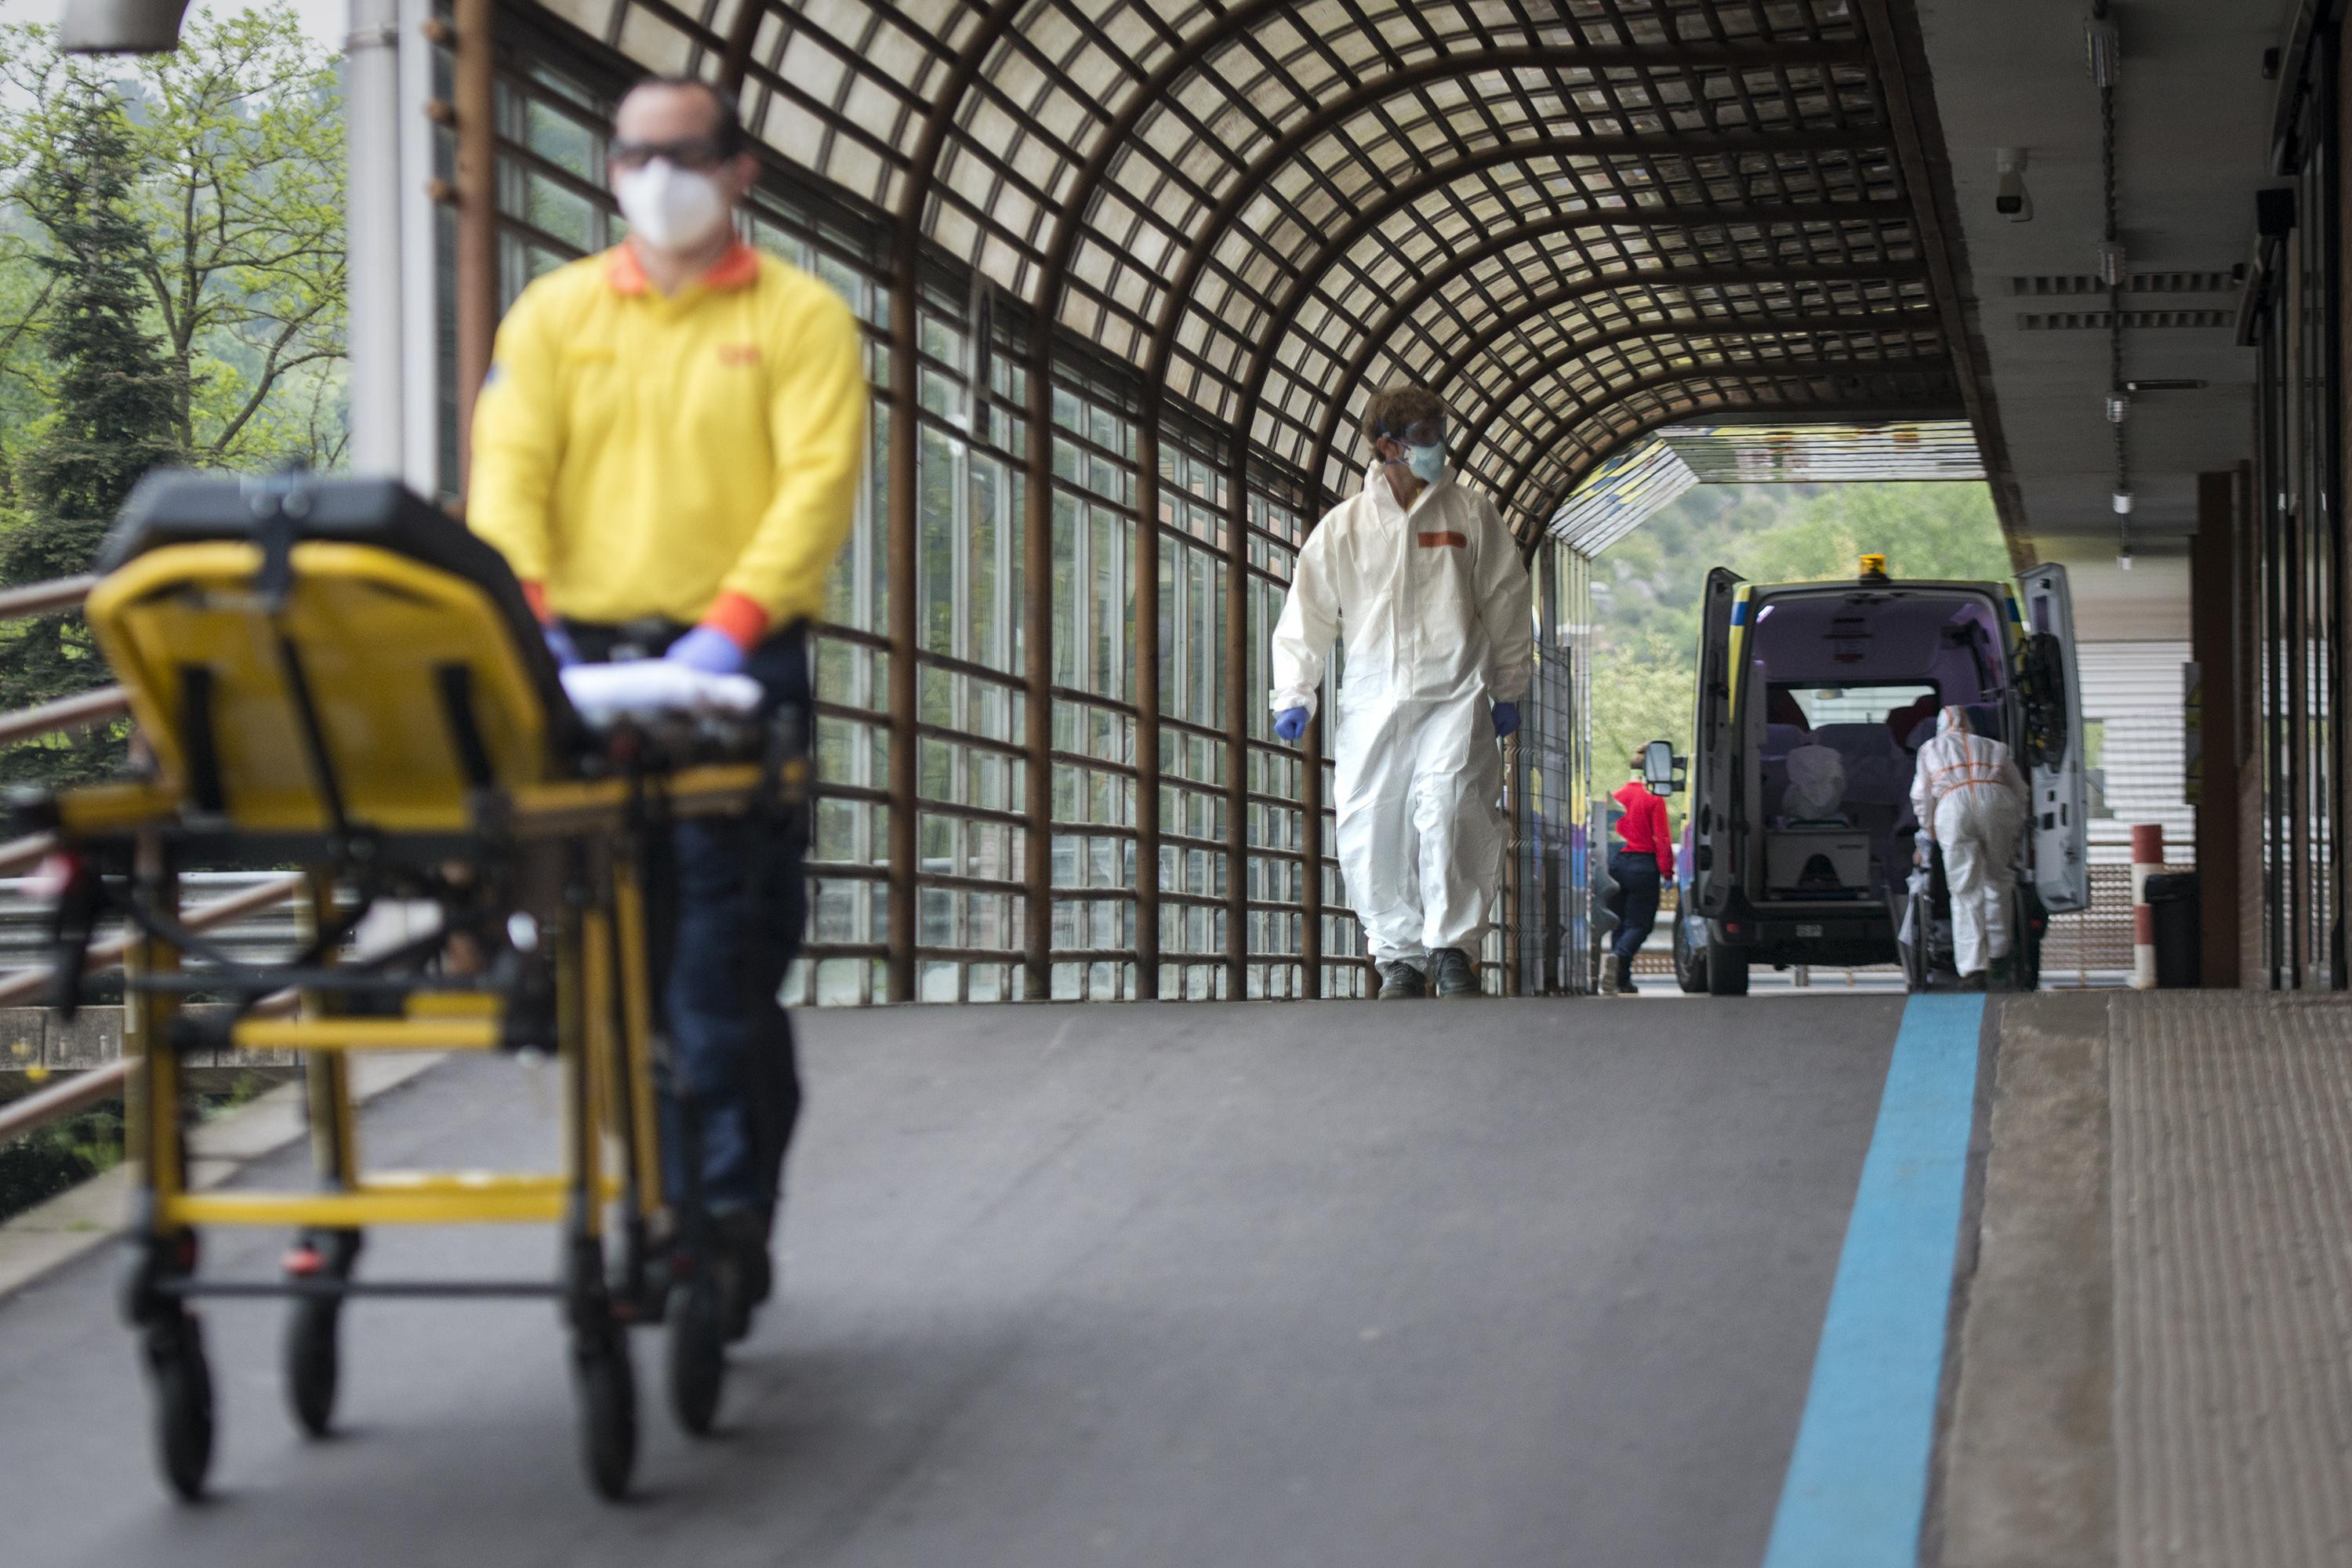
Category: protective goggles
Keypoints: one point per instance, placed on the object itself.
(700, 153)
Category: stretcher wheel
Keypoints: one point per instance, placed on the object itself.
(607, 1389)
(697, 1354)
(184, 1403)
(313, 1363)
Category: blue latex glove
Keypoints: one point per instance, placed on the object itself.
(1291, 723)
(1507, 720)
(707, 649)
(559, 643)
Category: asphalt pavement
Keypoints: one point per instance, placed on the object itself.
(1486, 1283)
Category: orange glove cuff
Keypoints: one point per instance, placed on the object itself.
(740, 617)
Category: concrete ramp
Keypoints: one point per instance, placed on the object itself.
(1492, 1283)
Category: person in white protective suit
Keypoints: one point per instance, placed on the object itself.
(1430, 591)
(1969, 795)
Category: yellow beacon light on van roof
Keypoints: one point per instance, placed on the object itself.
(1874, 568)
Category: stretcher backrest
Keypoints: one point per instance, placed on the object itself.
(330, 649)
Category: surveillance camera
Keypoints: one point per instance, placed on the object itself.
(2011, 198)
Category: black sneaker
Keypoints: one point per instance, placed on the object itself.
(1455, 975)
(1401, 981)
(745, 1276)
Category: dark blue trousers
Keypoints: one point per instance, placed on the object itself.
(1638, 876)
(729, 905)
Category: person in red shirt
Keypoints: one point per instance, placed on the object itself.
(1641, 866)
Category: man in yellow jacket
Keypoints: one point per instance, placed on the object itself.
(667, 452)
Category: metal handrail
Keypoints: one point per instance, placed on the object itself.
(84, 1089)
(42, 598)
(48, 1105)
(64, 713)
(24, 983)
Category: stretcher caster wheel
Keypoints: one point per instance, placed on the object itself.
(697, 1354)
(607, 1388)
(313, 1363)
(184, 1403)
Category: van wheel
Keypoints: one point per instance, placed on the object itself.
(1690, 963)
(1726, 970)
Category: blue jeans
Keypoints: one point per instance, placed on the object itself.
(1638, 876)
(728, 906)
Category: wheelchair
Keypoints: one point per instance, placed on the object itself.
(332, 676)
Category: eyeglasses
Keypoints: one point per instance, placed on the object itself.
(699, 154)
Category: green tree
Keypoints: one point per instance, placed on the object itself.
(26, 288)
(114, 418)
(236, 138)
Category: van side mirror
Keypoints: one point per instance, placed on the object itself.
(1662, 773)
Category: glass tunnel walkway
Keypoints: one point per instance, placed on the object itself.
(1123, 262)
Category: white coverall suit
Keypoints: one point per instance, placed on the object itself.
(1971, 799)
(1436, 608)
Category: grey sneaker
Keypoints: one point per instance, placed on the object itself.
(1401, 981)
(1455, 975)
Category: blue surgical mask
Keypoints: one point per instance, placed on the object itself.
(1427, 463)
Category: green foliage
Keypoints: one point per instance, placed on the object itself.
(235, 143)
(172, 289)
(1647, 587)
(114, 402)
(45, 1161)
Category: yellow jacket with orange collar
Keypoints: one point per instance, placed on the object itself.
(694, 457)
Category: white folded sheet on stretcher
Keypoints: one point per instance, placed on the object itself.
(648, 688)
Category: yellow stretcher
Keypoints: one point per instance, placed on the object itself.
(332, 675)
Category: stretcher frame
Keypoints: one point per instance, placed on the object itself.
(542, 871)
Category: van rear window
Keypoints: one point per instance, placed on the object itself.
(1810, 707)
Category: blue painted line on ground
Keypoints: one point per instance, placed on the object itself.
(1856, 1491)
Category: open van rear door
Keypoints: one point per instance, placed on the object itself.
(1716, 851)
(2051, 753)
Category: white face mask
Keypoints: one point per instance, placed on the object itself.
(671, 208)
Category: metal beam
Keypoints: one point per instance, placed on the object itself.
(1599, 452)
(1381, 330)
(1239, 697)
(741, 33)
(1369, 217)
(1540, 305)
(473, 94)
(1146, 694)
(1153, 93)
(1492, 408)
(903, 524)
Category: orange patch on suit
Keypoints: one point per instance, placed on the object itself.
(1449, 538)
(739, 354)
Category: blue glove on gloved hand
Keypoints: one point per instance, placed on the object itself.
(1507, 720)
(707, 649)
(1291, 723)
(559, 643)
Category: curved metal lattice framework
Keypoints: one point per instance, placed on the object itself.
(1279, 206)
(1577, 222)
